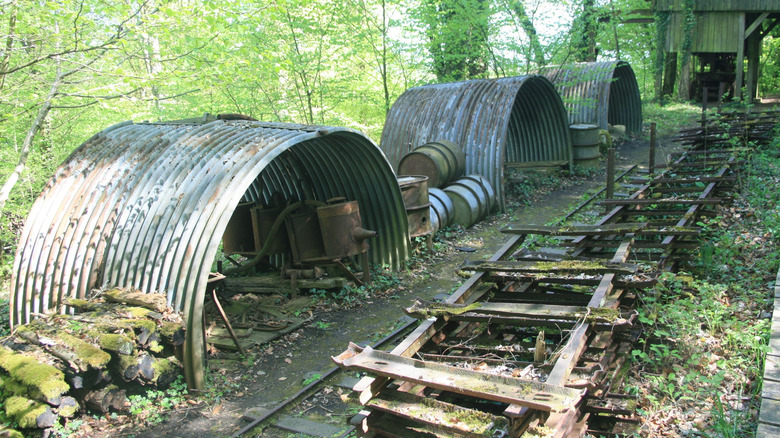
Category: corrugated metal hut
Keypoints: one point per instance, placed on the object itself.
(725, 34)
(495, 121)
(599, 93)
(145, 206)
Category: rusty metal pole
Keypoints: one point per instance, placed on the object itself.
(651, 160)
(610, 175)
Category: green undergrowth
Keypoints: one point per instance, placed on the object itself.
(672, 117)
(699, 366)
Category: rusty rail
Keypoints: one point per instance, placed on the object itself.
(562, 320)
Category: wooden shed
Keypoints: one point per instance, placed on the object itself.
(726, 38)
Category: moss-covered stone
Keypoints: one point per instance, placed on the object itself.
(24, 411)
(68, 407)
(46, 379)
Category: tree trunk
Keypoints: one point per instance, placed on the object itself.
(585, 33)
(670, 74)
(13, 178)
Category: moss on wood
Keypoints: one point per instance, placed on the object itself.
(87, 353)
(116, 342)
(25, 411)
(46, 379)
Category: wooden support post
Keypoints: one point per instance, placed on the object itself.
(651, 160)
(721, 91)
(740, 57)
(753, 59)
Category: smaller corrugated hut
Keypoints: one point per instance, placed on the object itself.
(495, 121)
(599, 93)
(146, 205)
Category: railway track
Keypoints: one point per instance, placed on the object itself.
(538, 337)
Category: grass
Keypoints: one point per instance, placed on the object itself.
(672, 117)
(698, 368)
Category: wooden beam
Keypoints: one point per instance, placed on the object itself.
(771, 27)
(756, 24)
(740, 57)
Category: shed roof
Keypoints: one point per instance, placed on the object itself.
(599, 93)
(723, 5)
(516, 119)
(145, 206)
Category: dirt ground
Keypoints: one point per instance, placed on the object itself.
(279, 369)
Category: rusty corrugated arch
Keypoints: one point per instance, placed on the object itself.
(495, 121)
(599, 93)
(145, 206)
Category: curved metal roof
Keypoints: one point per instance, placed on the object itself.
(145, 206)
(598, 93)
(495, 121)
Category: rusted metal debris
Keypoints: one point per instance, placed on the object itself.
(536, 395)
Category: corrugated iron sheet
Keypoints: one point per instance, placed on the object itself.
(145, 206)
(715, 32)
(495, 121)
(722, 5)
(598, 93)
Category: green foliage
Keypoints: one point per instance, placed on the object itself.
(313, 378)
(769, 79)
(153, 405)
(671, 118)
(457, 33)
(703, 345)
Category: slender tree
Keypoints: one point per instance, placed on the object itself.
(457, 32)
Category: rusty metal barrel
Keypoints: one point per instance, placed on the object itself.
(473, 198)
(414, 191)
(441, 161)
(342, 230)
(442, 210)
(585, 141)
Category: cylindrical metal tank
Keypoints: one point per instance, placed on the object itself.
(472, 198)
(442, 210)
(585, 142)
(441, 161)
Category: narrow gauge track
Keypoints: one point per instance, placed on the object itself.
(539, 339)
